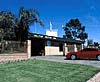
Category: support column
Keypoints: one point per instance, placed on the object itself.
(65, 49)
(29, 48)
(75, 48)
(82, 46)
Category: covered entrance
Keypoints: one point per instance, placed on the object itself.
(37, 47)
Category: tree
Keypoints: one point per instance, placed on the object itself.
(6, 25)
(83, 36)
(13, 27)
(90, 42)
(25, 19)
(96, 44)
(75, 30)
(68, 33)
(73, 25)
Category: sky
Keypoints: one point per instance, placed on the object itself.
(59, 12)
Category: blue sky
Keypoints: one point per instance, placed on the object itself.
(59, 12)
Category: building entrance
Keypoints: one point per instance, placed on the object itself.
(37, 47)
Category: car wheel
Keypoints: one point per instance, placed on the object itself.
(73, 57)
(98, 57)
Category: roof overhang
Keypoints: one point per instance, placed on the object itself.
(52, 38)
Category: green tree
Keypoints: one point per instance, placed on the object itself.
(75, 30)
(73, 26)
(25, 19)
(83, 36)
(6, 25)
(90, 42)
(13, 27)
(68, 33)
(96, 44)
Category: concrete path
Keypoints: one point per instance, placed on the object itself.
(96, 78)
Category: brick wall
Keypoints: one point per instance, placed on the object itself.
(15, 56)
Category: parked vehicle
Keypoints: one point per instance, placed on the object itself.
(86, 53)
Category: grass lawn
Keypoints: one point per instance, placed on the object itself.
(45, 71)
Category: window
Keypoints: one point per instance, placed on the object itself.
(90, 49)
(85, 49)
(48, 43)
(94, 50)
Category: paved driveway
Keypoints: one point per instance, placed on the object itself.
(61, 59)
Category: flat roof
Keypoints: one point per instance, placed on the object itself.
(60, 39)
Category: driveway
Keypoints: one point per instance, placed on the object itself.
(61, 59)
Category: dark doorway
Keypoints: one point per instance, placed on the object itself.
(60, 47)
(37, 47)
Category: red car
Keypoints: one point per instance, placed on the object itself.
(86, 53)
